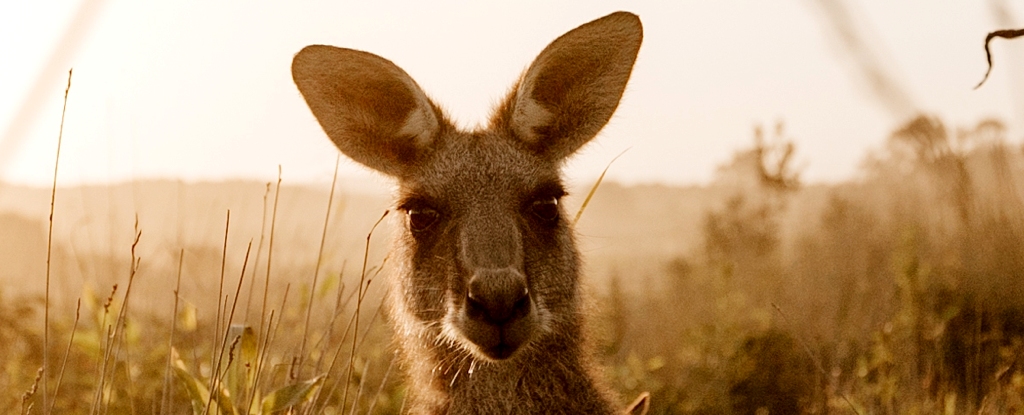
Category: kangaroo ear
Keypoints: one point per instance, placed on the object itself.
(369, 107)
(571, 90)
(640, 405)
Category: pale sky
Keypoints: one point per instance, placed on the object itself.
(201, 90)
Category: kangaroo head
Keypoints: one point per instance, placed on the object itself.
(488, 261)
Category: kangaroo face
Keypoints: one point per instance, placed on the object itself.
(486, 256)
(493, 254)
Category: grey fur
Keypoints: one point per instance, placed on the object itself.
(486, 300)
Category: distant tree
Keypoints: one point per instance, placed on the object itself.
(768, 165)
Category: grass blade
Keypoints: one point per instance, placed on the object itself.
(593, 189)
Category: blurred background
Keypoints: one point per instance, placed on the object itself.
(816, 212)
(202, 91)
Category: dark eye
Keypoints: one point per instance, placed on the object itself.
(546, 208)
(421, 219)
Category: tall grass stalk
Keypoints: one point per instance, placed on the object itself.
(113, 331)
(121, 324)
(165, 399)
(259, 365)
(100, 366)
(359, 391)
(259, 250)
(216, 375)
(316, 270)
(376, 312)
(369, 325)
(359, 307)
(348, 327)
(67, 351)
(49, 251)
(324, 342)
(380, 389)
(334, 358)
(214, 357)
(268, 342)
(270, 255)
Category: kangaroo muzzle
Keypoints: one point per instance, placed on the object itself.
(498, 315)
(497, 297)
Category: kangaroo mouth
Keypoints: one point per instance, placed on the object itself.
(500, 346)
(500, 352)
(496, 342)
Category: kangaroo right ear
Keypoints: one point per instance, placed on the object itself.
(640, 405)
(571, 90)
(369, 107)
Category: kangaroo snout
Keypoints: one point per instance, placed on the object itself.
(498, 316)
(497, 296)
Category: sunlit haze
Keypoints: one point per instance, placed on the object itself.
(202, 90)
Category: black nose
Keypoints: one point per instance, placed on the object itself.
(497, 297)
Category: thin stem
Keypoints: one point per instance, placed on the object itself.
(121, 322)
(359, 391)
(67, 351)
(270, 254)
(259, 250)
(166, 398)
(49, 252)
(101, 366)
(359, 306)
(316, 271)
(380, 389)
(220, 291)
(215, 381)
(268, 341)
(593, 189)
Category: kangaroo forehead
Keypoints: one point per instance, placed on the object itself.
(477, 164)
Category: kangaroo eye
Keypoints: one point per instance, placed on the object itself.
(546, 208)
(421, 219)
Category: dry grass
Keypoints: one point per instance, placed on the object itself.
(898, 293)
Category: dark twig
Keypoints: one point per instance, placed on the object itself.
(1005, 34)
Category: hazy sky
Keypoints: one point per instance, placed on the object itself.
(201, 90)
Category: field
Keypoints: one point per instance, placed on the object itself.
(899, 292)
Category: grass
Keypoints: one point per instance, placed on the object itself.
(903, 296)
(228, 381)
(241, 369)
(49, 246)
(899, 294)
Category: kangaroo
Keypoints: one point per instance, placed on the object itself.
(486, 303)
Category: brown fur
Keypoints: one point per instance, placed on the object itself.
(486, 300)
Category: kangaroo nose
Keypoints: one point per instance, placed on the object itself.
(497, 296)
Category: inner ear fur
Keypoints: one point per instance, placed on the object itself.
(369, 107)
(571, 90)
(640, 405)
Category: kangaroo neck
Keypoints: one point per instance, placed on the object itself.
(552, 376)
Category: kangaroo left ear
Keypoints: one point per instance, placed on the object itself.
(372, 110)
(571, 90)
